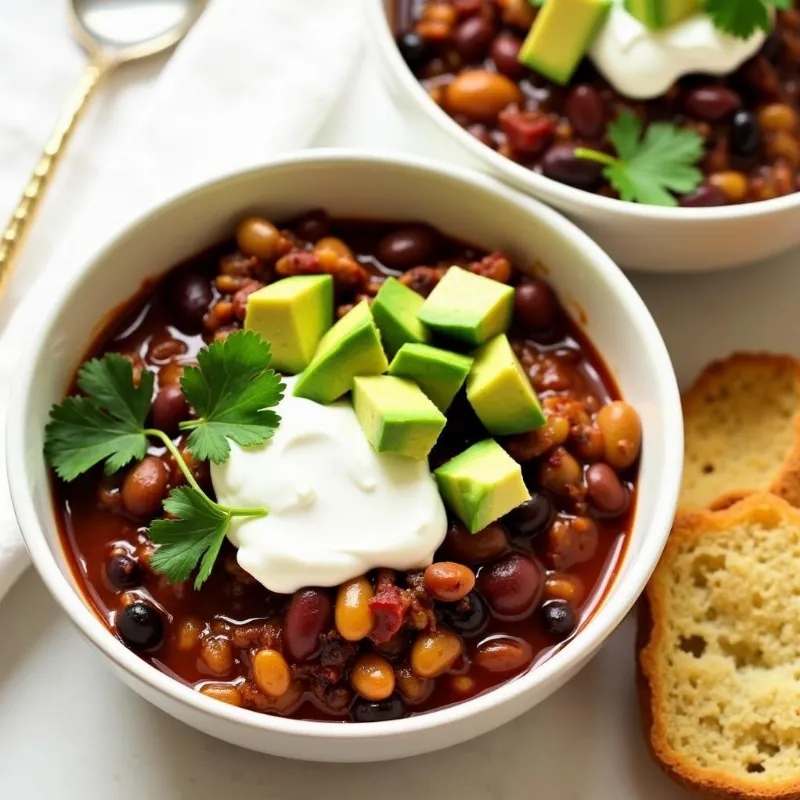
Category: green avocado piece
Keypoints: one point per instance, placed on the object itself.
(468, 307)
(439, 373)
(560, 36)
(351, 347)
(396, 416)
(481, 484)
(395, 310)
(499, 391)
(292, 315)
(655, 14)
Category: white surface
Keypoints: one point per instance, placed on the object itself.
(69, 729)
(328, 493)
(641, 63)
(204, 117)
(633, 234)
(452, 199)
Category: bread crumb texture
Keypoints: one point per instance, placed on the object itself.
(723, 659)
(741, 431)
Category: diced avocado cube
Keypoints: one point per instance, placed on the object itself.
(396, 416)
(292, 315)
(439, 373)
(351, 347)
(499, 391)
(481, 484)
(656, 14)
(560, 36)
(468, 307)
(395, 309)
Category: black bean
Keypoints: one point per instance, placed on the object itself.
(535, 305)
(123, 572)
(745, 134)
(407, 247)
(313, 226)
(413, 49)
(472, 37)
(505, 54)
(468, 617)
(558, 619)
(532, 518)
(140, 626)
(382, 711)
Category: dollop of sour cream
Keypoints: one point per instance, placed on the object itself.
(336, 507)
(642, 64)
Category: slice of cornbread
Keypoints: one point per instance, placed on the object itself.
(742, 431)
(719, 651)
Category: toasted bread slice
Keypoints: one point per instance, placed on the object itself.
(742, 431)
(719, 660)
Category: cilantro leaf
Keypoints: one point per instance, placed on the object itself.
(106, 425)
(742, 18)
(231, 390)
(648, 167)
(194, 536)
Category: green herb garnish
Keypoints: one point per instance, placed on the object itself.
(648, 167)
(232, 390)
(742, 18)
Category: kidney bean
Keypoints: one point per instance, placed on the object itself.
(239, 300)
(532, 518)
(713, 103)
(587, 442)
(407, 247)
(372, 677)
(527, 132)
(745, 133)
(475, 548)
(448, 581)
(271, 672)
(480, 95)
(224, 692)
(570, 541)
(561, 164)
(190, 295)
(258, 237)
(472, 37)
(703, 196)
(505, 54)
(415, 690)
(309, 615)
(605, 490)
(433, 653)
(144, 487)
(503, 654)
(511, 586)
(622, 433)
(170, 408)
(352, 615)
(313, 226)
(160, 352)
(586, 112)
(535, 305)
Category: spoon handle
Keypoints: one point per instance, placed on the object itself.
(14, 232)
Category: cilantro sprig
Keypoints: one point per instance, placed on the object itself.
(742, 18)
(232, 390)
(650, 164)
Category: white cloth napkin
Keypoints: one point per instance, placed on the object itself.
(254, 78)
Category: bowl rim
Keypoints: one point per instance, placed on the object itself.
(379, 30)
(606, 618)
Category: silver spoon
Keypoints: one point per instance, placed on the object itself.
(112, 32)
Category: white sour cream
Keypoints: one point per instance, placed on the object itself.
(336, 507)
(641, 64)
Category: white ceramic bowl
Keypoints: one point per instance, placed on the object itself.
(636, 236)
(460, 203)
